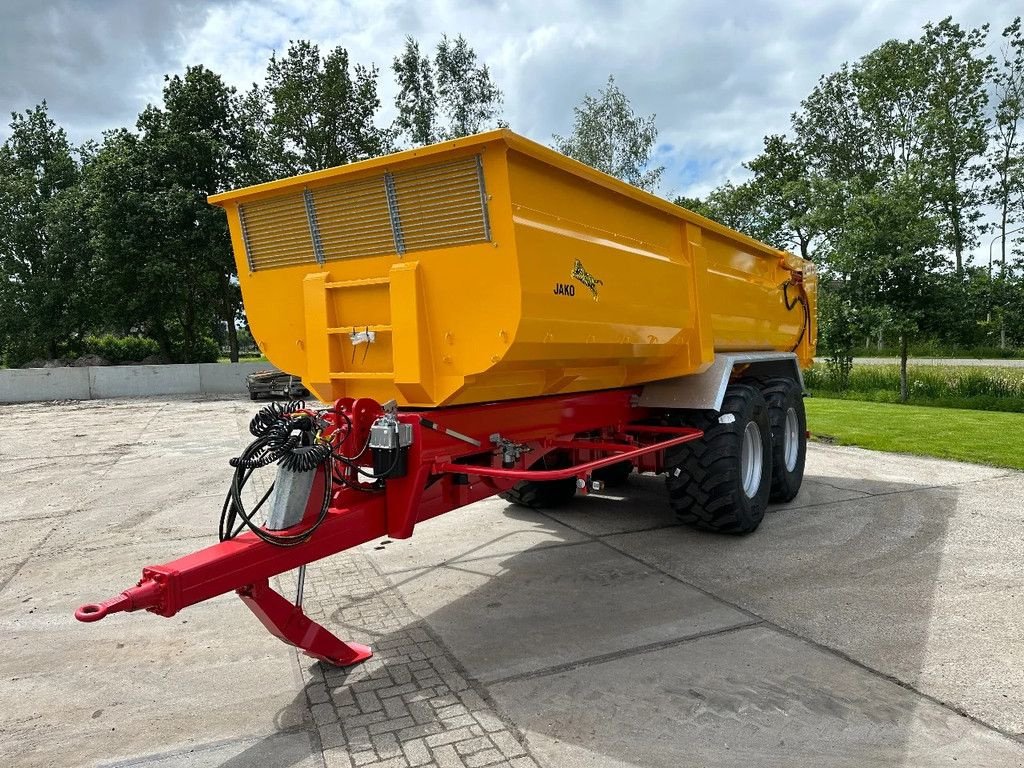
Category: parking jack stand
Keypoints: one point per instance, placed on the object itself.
(287, 622)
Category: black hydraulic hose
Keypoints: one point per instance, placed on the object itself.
(289, 435)
(806, 315)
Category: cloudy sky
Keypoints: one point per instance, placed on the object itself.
(719, 75)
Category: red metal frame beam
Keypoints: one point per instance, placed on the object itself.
(576, 470)
(444, 473)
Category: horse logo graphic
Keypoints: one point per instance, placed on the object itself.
(579, 273)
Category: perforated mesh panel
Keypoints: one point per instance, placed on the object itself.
(437, 206)
(354, 219)
(277, 232)
(441, 205)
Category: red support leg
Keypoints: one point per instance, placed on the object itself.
(287, 622)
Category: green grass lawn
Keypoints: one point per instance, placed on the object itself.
(982, 437)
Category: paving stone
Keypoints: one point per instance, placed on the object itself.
(472, 699)
(416, 752)
(386, 745)
(440, 702)
(416, 731)
(473, 745)
(395, 707)
(367, 719)
(447, 758)
(487, 757)
(363, 758)
(318, 693)
(394, 762)
(391, 725)
(368, 702)
(398, 690)
(409, 705)
(337, 758)
(331, 735)
(324, 713)
(489, 721)
(508, 744)
(448, 737)
(453, 710)
(342, 696)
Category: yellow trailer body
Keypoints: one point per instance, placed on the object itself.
(493, 268)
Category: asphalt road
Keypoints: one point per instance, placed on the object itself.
(874, 621)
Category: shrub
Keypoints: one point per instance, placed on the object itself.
(981, 387)
(121, 349)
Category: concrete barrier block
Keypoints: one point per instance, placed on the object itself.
(144, 380)
(227, 378)
(30, 384)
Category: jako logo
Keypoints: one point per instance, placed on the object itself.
(579, 273)
(564, 289)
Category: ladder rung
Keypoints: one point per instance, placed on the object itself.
(358, 328)
(359, 283)
(362, 375)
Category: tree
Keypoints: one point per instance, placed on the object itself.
(467, 96)
(1006, 157)
(736, 206)
(955, 127)
(254, 156)
(608, 136)
(417, 98)
(864, 134)
(694, 204)
(162, 251)
(44, 259)
(889, 251)
(322, 109)
(783, 187)
(449, 98)
(198, 118)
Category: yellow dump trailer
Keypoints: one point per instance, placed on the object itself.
(547, 330)
(493, 268)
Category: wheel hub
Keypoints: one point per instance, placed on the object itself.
(751, 459)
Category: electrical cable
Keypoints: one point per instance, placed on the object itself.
(300, 440)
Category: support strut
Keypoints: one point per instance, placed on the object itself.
(288, 623)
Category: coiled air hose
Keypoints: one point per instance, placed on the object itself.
(296, 438)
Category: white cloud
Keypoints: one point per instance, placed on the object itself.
(718, 75)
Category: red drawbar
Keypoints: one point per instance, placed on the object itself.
(444, 471)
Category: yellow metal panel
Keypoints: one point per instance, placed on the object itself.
(414, 365)
(316, 342)
(532, 274)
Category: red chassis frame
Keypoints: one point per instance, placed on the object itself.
(445, 471)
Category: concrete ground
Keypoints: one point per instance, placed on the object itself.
(875, 621)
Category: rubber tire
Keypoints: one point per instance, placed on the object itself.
(705, 486)
(543, 495)
(615, 475)
(781, 394)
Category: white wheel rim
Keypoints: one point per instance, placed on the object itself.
(791, 439)
(751, 459)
